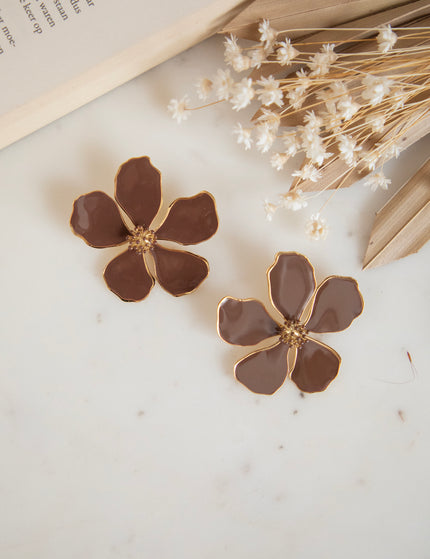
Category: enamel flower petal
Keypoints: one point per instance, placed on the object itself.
(311, 364)
(291, 283)
(264, 371)
(179, 272)
(190, 220)
(128, 277)
(244, 322)
(315, 367)
(96, 219)
(337, 302)
(138, 190)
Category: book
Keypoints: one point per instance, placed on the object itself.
(57, 55)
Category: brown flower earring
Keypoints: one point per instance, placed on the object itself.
(336, 303)
(97, 219)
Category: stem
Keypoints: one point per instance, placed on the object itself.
(348, 173)
(205, 106)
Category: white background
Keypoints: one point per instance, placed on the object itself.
(123, 432)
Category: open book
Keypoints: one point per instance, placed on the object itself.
(56, 55)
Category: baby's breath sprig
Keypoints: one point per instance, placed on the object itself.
(347, 100)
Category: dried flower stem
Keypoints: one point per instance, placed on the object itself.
(352, 106)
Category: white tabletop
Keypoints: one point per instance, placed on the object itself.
(123, 431)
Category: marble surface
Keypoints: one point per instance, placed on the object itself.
(123, 432)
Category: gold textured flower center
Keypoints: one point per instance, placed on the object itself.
(293, 333)
(141, 240)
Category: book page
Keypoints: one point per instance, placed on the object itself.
(47, 44)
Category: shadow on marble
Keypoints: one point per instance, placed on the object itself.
(60, 193)
(250, 260)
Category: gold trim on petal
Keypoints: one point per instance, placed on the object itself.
(325, 346)
(243, 301)
(185, 252)
(148, 225)
(81, 236)
(307, 313)
(278, 255)
(188, 198)
(147, 270)
(287, 374)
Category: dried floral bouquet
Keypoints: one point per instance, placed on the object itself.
(348, 104)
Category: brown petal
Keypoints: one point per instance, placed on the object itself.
(179, 272)
(244, 321)
(291, 283)
(138, 190)
(128, 277)
(190, 220)
(337, 302)
(316, 366)
(97, 220)
(264, 371)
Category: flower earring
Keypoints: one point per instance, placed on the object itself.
(97, 219)
(310, 364)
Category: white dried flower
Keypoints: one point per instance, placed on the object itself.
(326, 95)
(313, 122)
(303, 80)
(333, 94)
(386, 38)
(339, 88)
(316, 228)
(320, 62)
(293, 200)
(371, 159)
(393, 150)
(270, 93)
(376, 122)
(312, 143)
(270, 209)
(242, 94)
(278, 160)
(223, 84)
(296, 97)
(233, 55)
(285, 52)
(306, 135)
(256, 57)
(204, 87)
(316, 151)
(398, 98)
(308, 172)
(232, 49)
(179, 109)
(347, 148)
(332, 120)
(243, 135)
(272, 119)
(265, 138)
(240, 63)
(347, 107)
(267, 34)
(376, 88)
(377, 180)
(290, 143)
(328, 50)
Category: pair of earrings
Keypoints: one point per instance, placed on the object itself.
(331, 307)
